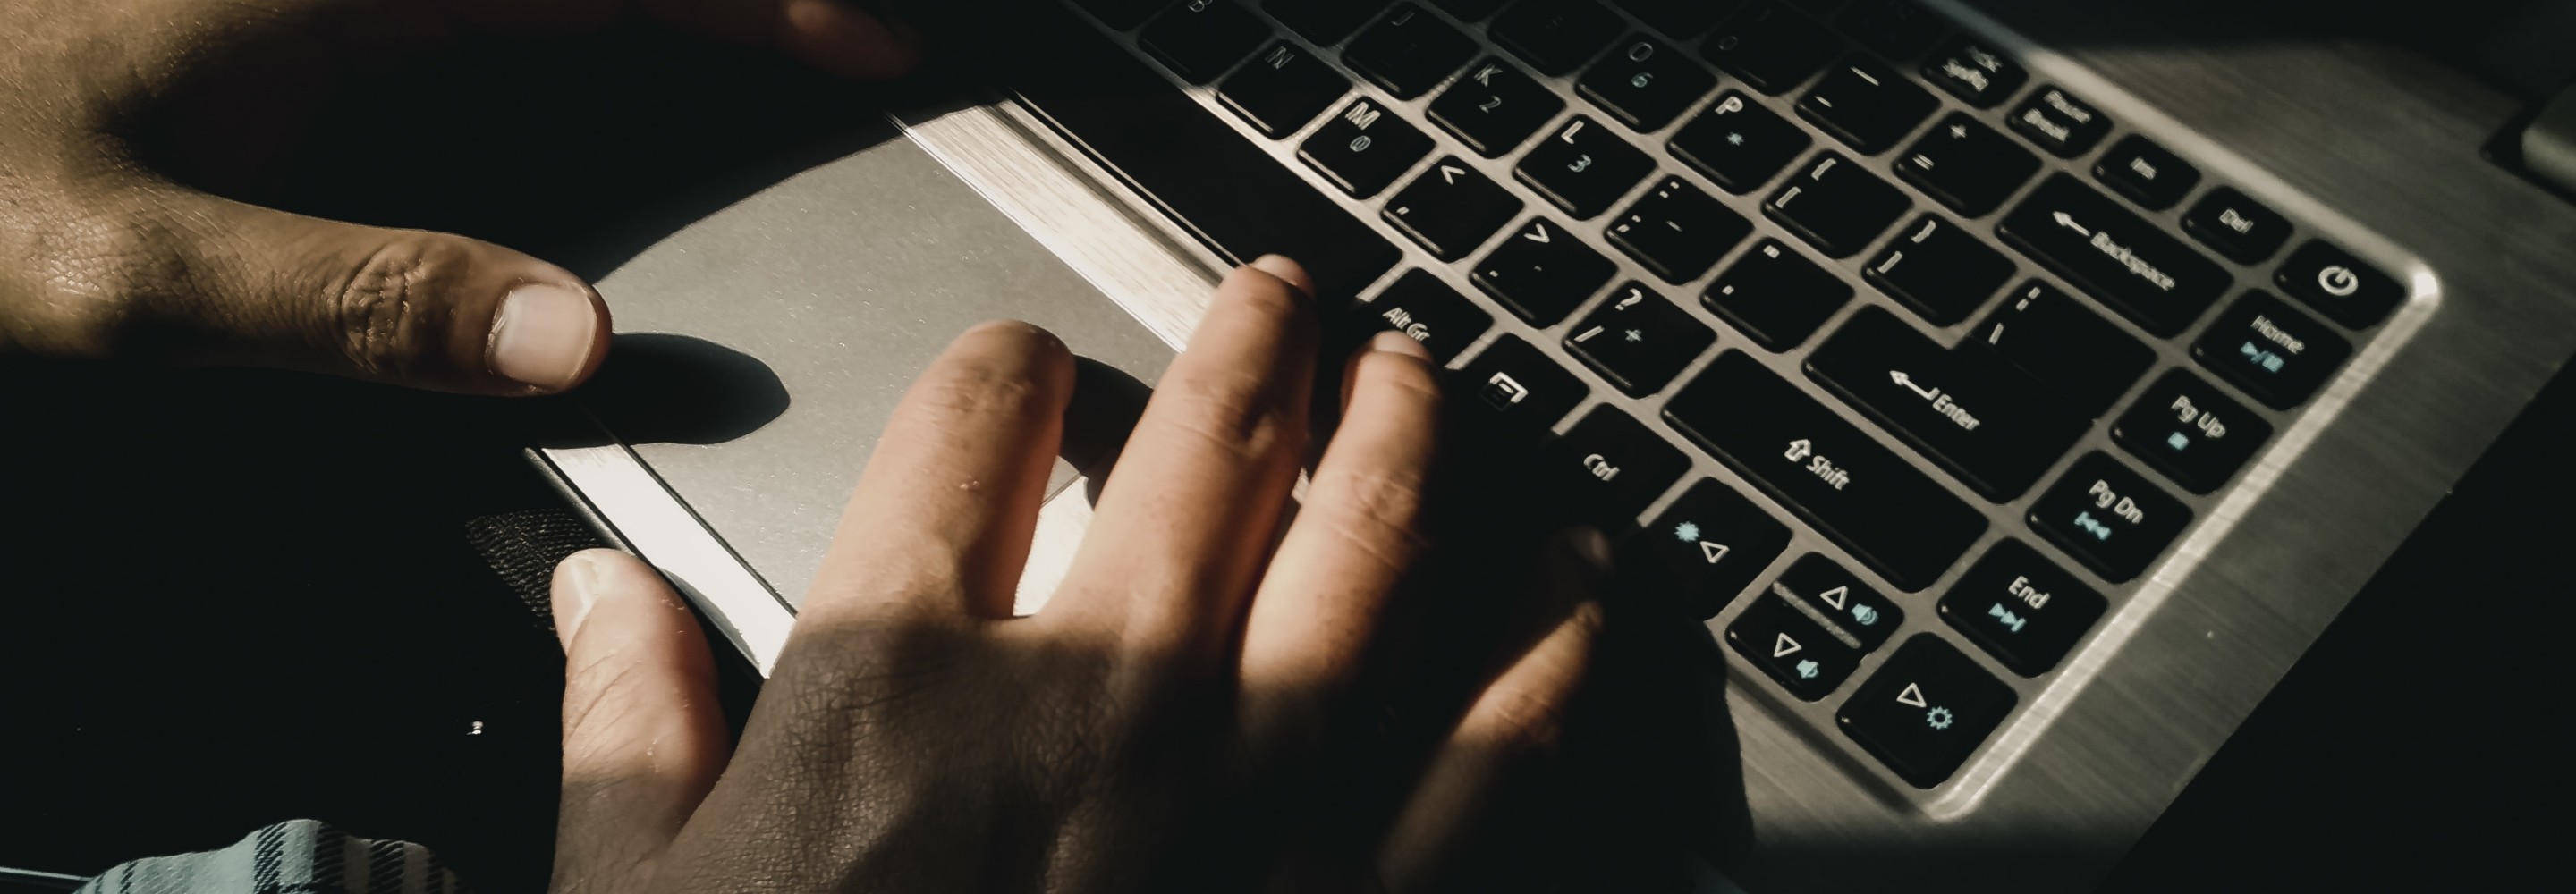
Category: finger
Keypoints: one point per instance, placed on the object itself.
(834, 35)
(1188, 513)
(950, 498)
(644, 738)
(1510, 728)
(1355, 537)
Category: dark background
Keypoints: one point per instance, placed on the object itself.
(236, 597)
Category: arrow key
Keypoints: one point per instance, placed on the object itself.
(1790, 647)
(1451, 209)
(1706, 547)
(1850, 607)
(1926, 710)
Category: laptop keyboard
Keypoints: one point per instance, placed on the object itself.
(1829, 288)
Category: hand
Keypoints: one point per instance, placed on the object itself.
(1191, 711)
(107, 107)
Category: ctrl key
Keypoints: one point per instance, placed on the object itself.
(1926, 710)
(2109, 517)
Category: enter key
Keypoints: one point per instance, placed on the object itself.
(1969, 410)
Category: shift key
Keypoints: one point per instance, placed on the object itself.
(2115, 255)
(1969, 408)
(1872, 501)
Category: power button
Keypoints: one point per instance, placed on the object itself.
(2338, 285)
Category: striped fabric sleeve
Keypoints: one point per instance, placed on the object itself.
(293, 857)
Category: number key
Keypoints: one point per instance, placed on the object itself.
(1409, 51)
(1644, 83)
(1583, 167)
(1494, 108)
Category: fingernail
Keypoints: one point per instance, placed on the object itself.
(1589, 545)
(1399, 343)
(1280, 266)
(576, 589)
(542, 336)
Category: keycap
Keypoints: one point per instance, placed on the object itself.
(2114, 255)
(1836, 206)
(1771, 47)
(1791, 648)
(1408, 52)
(2150, 176)
(1678, 19)
(1925, 710)
(1966, 166)
(2108, 517)
(1583, 167)
(2059, 123)
(1864, 104)
(1422, 307)
(1611, 467)
(1282, 89)
(1555, 36)
(1364, 148)
(2236, 226)
(1451, 209)
(1738, 143)
(1860, 616)
(1122, 14)
(1179, 155)
(2050, 335)
(1200, 39)
(1706, 547)
(1940, 271)
(1678, 231)
(1470, 10)
(2338, 285)
(2186, 429)
(2277, 354)
(1971, 412)
(1322, 21)
(1645, 84)
(1832, 474)
(2020, 608)
(1515, 389)
(1896, 29)
(1637, 340)
(1776, 296)
(1494, 108)
(1541, 273)
(1974, 72)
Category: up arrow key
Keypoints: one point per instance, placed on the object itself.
(1783, 646)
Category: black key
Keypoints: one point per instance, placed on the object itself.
(1707, 546)
(1895, 518)
(1897, 29)
(1776, 296)
(1848, 606)
(2115, 255)
(1967, 166)
(1428, 311)
(2235, 225)
(1583, 167)
(2146, 173)
(1495, 107)
(1197, 168)
(2049, 334)
(1451, 209)
(2022, 609)
(1470, 10)
(1792, 648)
(1926, 710)
(1322, 21)
(1364, 148)
(1678, 19)
(1836, 206)
(1677, 231)
(1516, 389)
(1637, 340)
(2061, 124)
(1738, 143)
(1645, 84)
(1865, 105)
(1408, 52)
(2338, 285)
(1200, 39)
(2188, 430)
(1541, 273)
(1771, 47)
(2108, 517)
(1969, 410)
(1939, 270)
(1123, 14)
(2277, 354)
(1282, 89)
(1555, 36)
(1612, 467)
(1974, 72)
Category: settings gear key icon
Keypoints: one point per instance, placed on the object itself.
(1937, 717)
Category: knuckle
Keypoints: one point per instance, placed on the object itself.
(94, 276)
(1520, 719)
(1237, 412)
(961, 391)
(384, 311)
(1377, 511)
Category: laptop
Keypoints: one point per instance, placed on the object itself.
(2010, 394)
